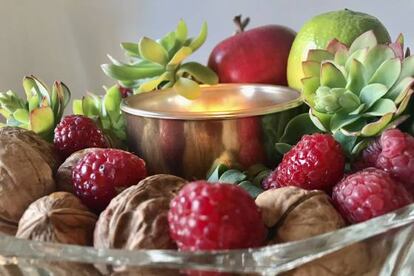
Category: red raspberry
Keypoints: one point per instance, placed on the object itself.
(100, 175)
(316, 162)
(393, 152)
(76, 132)
(369, 193)
(207, 216)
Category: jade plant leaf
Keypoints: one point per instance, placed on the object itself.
(199, 72)
(179, 56)
(131, 49)
(152, 51)
(181, 32)
(168, 41)
(127, 73)
(200, 39)
(187, 88)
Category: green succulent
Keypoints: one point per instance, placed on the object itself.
(249, 180)
(41, 111)
(106, 112)
(357, 92)
(159, 64)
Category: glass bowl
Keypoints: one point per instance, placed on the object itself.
(381, 246)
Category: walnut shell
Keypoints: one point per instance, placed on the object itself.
(24, 177)
(45, 149)
(59, 217)
(137, 217)
(63, 175)
(298, 214)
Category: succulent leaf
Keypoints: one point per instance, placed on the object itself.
(151, 51)
(159, 64)
(42, 109)
(199, 72)
(178, 57)
(131, 49)
(366, 40)
(181, 31)
(356, 79)
(42, 120)
(358, 91)
(187, 88)
(106, 112)
(372, 93)
(200, 39)
(319, 55)
(130, 73)
(387, 73)
(331, 76)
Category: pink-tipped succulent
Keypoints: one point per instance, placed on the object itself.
(357, 91)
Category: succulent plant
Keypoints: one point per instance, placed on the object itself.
(158, 64)
(106, 112)
(250, 180)
(42, 109)
(356, 92)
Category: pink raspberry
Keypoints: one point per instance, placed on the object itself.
(207, 216)
(316, 162)
(393, 152)
(369, 193)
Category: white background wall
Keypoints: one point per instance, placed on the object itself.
(68, 39)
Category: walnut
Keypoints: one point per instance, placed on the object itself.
(59, 217)
(297, 214)
(45, 149)
(137, 217)
(24, 177)
(63, 175)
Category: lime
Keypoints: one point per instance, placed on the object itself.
(344, 25)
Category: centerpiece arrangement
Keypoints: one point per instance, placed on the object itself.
(223, 160)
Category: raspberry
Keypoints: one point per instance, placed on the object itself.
(100, 175)
(316, 162)
(369, 193)
(393, 152)
(207, 216)
(77, 132)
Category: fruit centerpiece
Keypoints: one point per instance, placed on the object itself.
(186, 169)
